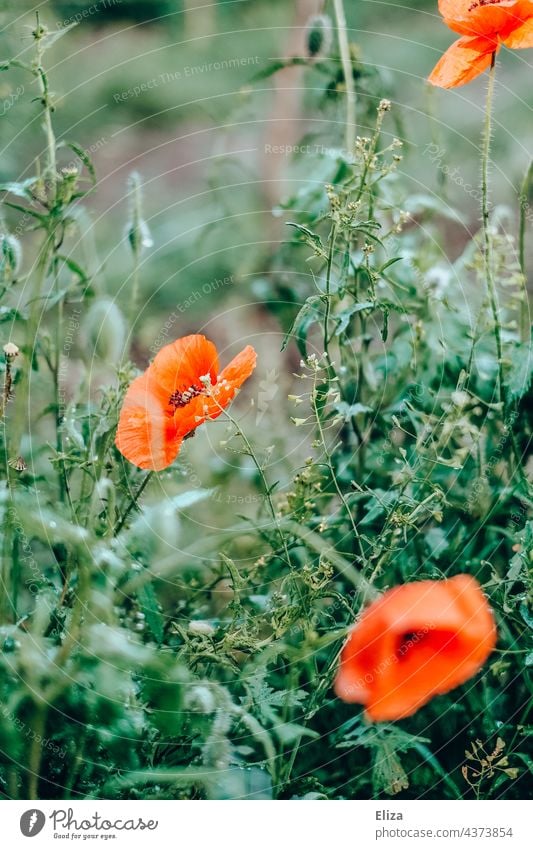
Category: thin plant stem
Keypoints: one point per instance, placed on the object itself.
(266, 487)
(332, 238)
(487, 239)
(344, 48)
(329, 464)
(133, 503)
(47, 106)
(524, 208)
(23, 389)
(35, 752)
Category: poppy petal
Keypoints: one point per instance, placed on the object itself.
(229, 381)
(146, 435)
(234, 375)
(521, 37)
(483, 19)
(180, 365)
(462, 62)
(205, 407)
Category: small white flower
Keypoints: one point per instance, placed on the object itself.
(10, 349)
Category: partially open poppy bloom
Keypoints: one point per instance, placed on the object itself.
(417, 641)
(483, 26)
(179, 391)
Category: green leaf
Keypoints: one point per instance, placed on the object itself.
(278, 65)
(188, 499)
(81, 153)
(343, 318)
(385, 328)
(54, 36)
(348, 411)
(21, 190)
(24, 209)
(388, 264)
(521, 371)
(73, 266)
(310, 238)
(152, 611)
(10, 314)
(309, 314)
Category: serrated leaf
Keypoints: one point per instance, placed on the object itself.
(347, 411)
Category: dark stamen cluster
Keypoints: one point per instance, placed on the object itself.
(481, 3)
(181, 399)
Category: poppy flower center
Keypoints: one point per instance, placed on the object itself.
(481, 3)
(181, 399)
(409, 641)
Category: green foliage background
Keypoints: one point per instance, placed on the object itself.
(177, 637)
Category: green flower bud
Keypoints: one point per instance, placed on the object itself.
(137, 231)
(105, 330)
(68, 183)
(319, 36)
(10, 256)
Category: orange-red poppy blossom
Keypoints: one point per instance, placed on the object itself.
(483, 26)
(417, 641)
(179, 391)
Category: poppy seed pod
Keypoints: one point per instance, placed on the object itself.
(105, 330)
(319, 36)
(10, 256)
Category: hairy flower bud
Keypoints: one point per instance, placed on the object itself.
(105, 330)
(10, 256)
(319, 36)
(137, 230)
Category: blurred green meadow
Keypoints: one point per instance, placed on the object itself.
(215, 126)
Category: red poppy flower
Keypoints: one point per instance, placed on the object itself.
(415, 642)
(179, 391)
(484, 26)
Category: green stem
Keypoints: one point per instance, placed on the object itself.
(344, 48)
(35, 752)
(17, 429)
(44, 89)
(524, 208)
(266, 487)
(332, 238)
(489, 269)
(62, 472)
(133, 503)
(329, 464)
